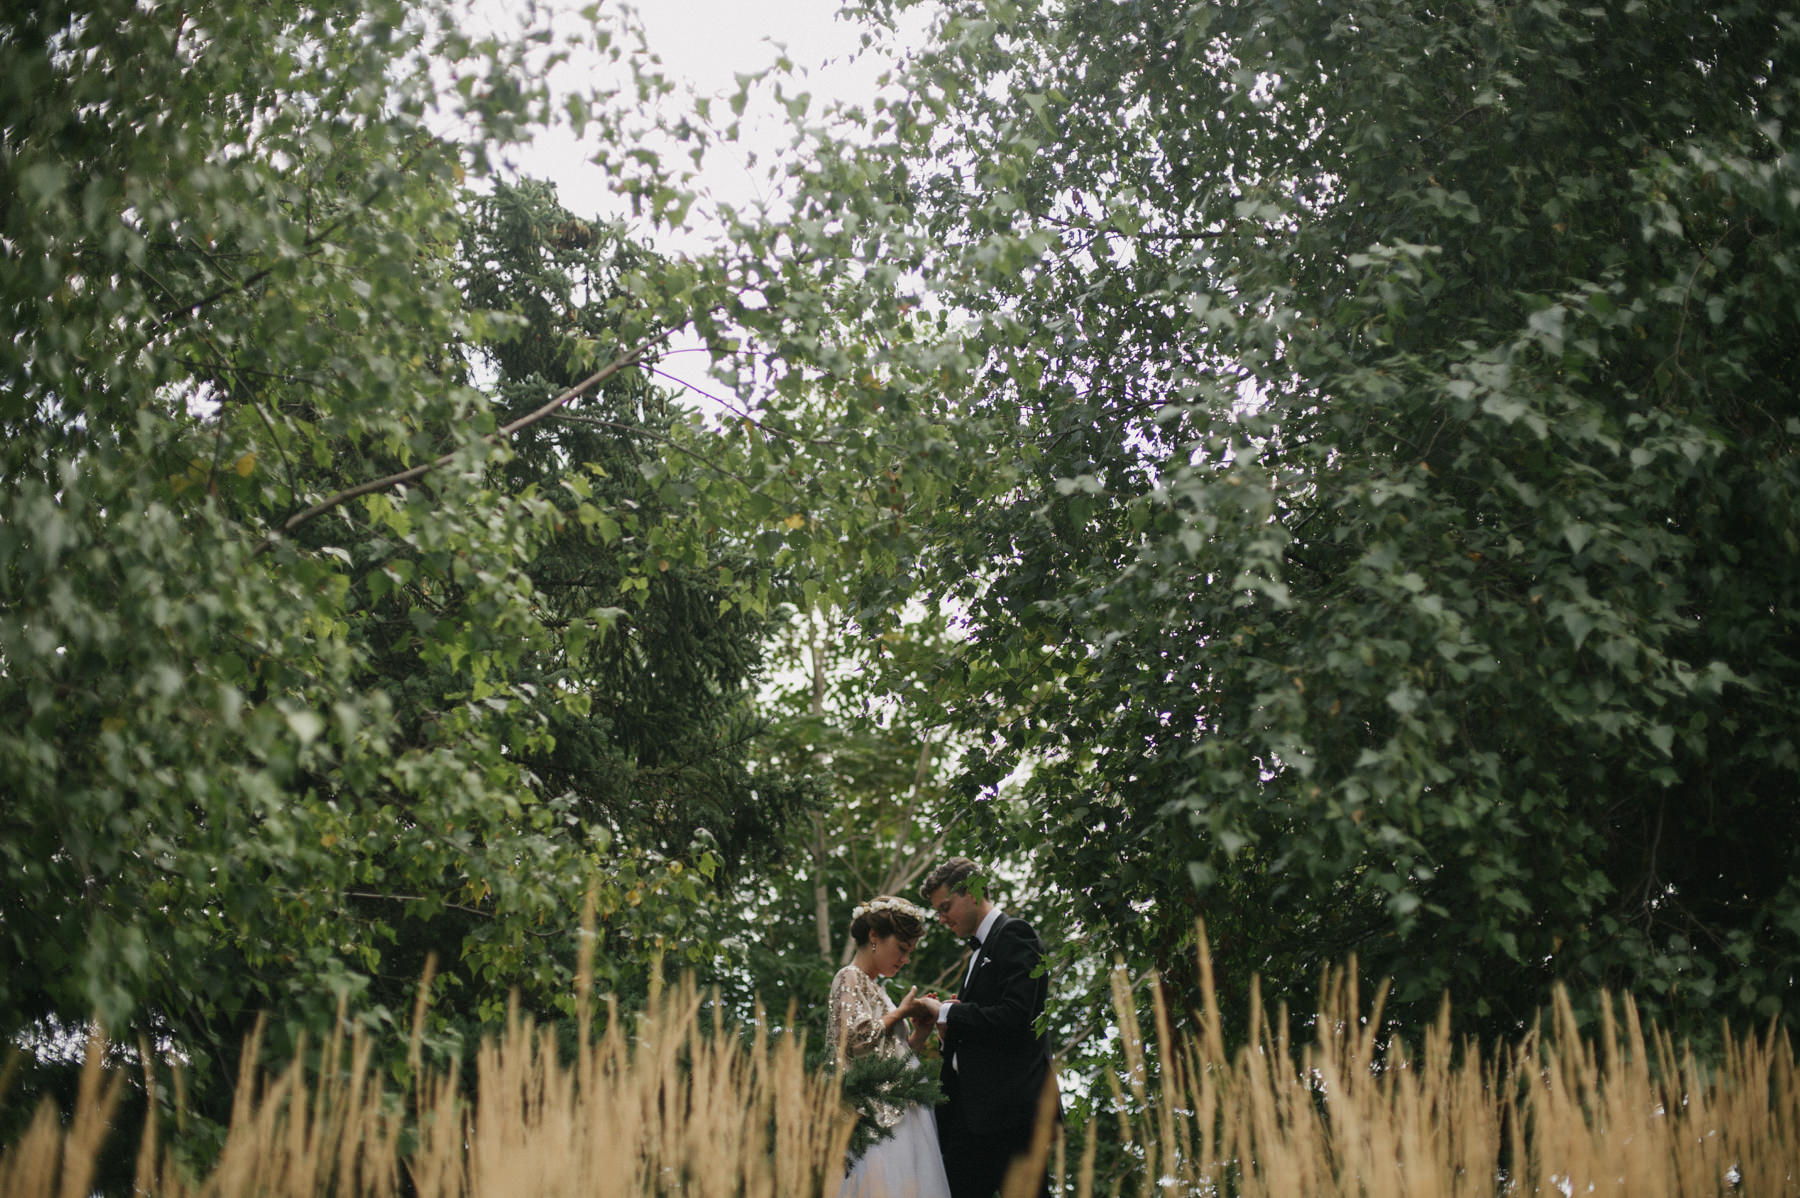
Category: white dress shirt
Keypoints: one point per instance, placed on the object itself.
(981, 934)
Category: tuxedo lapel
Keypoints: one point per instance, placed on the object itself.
(980, 957)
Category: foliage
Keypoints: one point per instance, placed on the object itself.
(1386, 543)
(1347, 456)
(836, 721)
(636, 577)
(895, 1081)
(212, 288)
(322, 648)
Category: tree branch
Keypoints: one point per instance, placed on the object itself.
(405, 476)
(217, 373)
(256, 276)
(745, 416)
(417, 898)
(638, 430)
(1113, 230)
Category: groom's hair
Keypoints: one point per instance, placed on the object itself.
(954, 873)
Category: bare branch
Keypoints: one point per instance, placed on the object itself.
(1110, 229)
(418, 898)
(743, 415)
(405, 476)
(637, 430)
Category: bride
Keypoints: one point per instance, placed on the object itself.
(862, 1019)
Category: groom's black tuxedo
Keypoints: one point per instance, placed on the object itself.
(1001, 1064)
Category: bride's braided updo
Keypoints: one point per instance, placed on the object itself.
(886, 915)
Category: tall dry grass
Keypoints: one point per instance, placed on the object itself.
(1357, 1114)
(661, 1102)
(669, 1102)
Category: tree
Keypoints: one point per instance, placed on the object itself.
(321, 646)
(885, 774)
(209, 279)
(644, 578)
(1389, 548)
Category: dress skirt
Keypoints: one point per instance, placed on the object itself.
(905, 1165)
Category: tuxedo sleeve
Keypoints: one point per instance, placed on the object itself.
(1008, 1010)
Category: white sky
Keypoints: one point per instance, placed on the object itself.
(703, 46)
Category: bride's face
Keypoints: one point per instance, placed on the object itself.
(891, 954)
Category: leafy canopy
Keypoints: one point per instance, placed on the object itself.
(1389, 540)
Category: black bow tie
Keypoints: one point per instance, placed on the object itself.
(974, 943)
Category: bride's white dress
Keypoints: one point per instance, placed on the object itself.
(906, 1164)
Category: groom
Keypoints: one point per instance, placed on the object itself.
(996, 1065)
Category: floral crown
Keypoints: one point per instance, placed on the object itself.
(898, 905)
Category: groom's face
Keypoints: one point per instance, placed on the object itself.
(958, 912)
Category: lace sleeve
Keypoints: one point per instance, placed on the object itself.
(857, 1006)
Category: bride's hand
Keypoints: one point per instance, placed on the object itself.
(905, 1008)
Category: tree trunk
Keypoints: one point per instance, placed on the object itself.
(821, 896)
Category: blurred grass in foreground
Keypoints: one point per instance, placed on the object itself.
(670, 1102)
